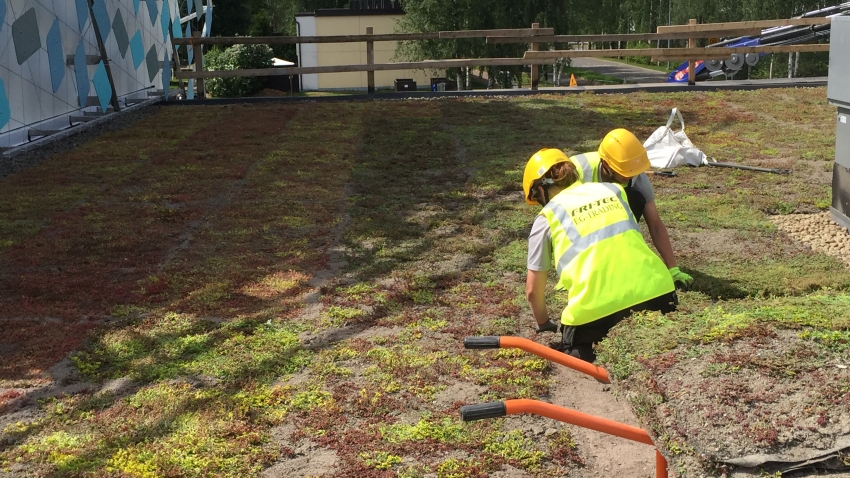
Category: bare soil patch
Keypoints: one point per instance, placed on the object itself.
(605, 455)
(719, 408)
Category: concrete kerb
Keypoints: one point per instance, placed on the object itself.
(601, 89)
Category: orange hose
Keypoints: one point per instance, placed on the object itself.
(578, 418)
(660, 465)
(579, 365)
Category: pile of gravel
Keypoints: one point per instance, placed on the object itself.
(12, 161)
(818, 231)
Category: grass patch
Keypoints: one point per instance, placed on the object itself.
(316, 267)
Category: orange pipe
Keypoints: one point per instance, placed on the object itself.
(574, 417)
(579, 365)
(577, 418)
(660, 465)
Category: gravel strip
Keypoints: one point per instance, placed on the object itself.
(818, 231)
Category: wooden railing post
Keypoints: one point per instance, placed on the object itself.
(692, 43)
(198, 49)
(370, 60)
(535, 69)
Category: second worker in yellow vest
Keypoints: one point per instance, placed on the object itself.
(622, 159)
(588, 234)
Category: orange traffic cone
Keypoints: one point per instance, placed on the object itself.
(573, 80)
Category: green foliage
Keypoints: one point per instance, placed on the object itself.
(822, 317)
(454, 468)
(338, 316)
(442, 431)
(237, 57)
(514, 446)
(380, 460)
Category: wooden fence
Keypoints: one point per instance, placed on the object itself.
(533, 36)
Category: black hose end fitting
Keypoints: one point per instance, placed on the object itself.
(484, 342)
(481, 411)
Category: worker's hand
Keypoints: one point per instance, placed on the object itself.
(680, 277)
(550, 326)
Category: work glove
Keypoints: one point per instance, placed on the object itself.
(550, 326)
(680, 277)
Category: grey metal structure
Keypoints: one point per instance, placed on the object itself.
(838, 94)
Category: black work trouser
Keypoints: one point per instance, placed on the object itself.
(578, 341)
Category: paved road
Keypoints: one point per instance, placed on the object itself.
(631, 73)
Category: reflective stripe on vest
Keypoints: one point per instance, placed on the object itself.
(580, 243)
(584, 165)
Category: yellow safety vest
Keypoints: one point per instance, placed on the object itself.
(587, 165)
(599, 253)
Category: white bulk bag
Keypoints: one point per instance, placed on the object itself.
(667, 149)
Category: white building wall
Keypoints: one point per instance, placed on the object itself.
(308, 53)
(28, 86)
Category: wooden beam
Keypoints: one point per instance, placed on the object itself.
(692, 43)
(198, 50)
(513, 32)
(415, 65)
(760, 24)
(674, 53)
(530, 58)
(625, 36)
(370, 60)
(280, 40)
(534, 70)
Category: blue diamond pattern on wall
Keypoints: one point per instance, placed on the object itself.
(138, 49)
(5, 111)
(176, 31)
(55, 56)
(82, 13)
(207, 21)
(102, 17)
(165, 19)
(120, 33)
(136, 6)
(152, 10)
(199, 7)
(152, 60)
(82, 73)
(26, 36)
(102, 87)
(166, 76)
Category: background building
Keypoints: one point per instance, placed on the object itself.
(351, 21)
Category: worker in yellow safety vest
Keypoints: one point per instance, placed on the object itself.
(622, 159)
(588, 234)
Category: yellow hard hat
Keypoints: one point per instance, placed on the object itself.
(537, 166)
(624, 153)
